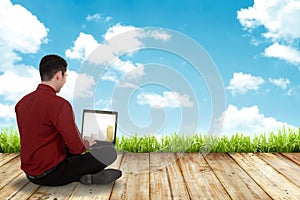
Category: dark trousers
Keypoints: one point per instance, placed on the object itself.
(70, 170)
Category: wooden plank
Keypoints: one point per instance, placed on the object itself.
(59, 193)
(96, 191)
(6, 157)
(295, 157)
(9, 190)
(9, 171)
(277, 174)
(2, 156)
(26, 191)
(134, 183)
(235, 180)
(177, 183)
(283, 165)
(271, 181)
(159, 184)
(200, 179)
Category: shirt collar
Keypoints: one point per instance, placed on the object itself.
(46, 87)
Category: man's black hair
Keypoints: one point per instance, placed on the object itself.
(50, 65)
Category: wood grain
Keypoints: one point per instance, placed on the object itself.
(235, 180)
(269, 179)
(172, 176)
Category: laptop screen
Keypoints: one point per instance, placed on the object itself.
(99, 125)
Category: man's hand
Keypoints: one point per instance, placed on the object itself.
(91, 141)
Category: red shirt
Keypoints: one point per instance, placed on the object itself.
(47, 126)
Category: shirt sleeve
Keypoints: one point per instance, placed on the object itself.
(69, 131)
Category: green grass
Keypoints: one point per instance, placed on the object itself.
(9, 140)
(285, 140)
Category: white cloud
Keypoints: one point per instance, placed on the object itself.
(28, 78)
(110, 76)
(7, 111)
(116, 30)
(131, 72)
(291, 92)
(241, 83)
(158, 35)
(281, 82)
(249, 121)
(84, 85)
(96, 17)
(84, 45)
(123, 66)
(109, 18)
(104, 104)
(77, 85)
(119, 29)
(20, 31)
(132, 78)
(125, 43)
(15, 84)
(283, 52)
(128, 85)
(136, 70)
(280, 18)
(112, 46)
(166, 100)
(7, 58)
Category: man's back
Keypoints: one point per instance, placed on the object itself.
(46, 124)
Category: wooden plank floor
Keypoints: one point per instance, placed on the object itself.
(172, 176)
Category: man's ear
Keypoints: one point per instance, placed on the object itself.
(58, 75)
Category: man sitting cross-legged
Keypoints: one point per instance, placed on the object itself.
(52, 151)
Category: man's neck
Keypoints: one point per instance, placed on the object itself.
(49, 83)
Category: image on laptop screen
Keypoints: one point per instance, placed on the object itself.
(99, 125)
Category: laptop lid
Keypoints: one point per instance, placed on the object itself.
(99, 125)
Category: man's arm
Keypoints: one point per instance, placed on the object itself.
(69, 131)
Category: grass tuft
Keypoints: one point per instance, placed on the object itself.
(285, 140)
(9, 140)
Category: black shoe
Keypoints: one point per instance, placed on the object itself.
(105, 176)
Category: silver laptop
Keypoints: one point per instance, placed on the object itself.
(99, 125)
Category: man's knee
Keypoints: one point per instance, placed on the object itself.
(106, 154)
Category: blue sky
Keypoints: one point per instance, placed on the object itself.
(254, 46)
